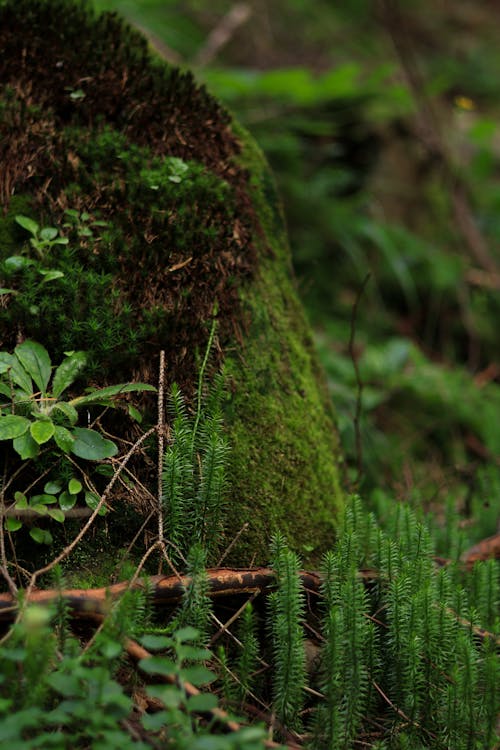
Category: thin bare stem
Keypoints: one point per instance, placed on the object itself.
(233, 542)
(223, 32)
(160, 429)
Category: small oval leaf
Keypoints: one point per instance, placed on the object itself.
(66, 501)
(21, 500)
(16, 263)
(93, 501)
(50, 275)
(57, 514)
(41, 432)
(25, 446)
(90, 445)
(13, 524)
(40, 535)
(26, 223)
(48, 233)
(52, 488)
(64, 439)
(74, 486)
(12, 426)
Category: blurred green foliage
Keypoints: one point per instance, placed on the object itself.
(380, 121)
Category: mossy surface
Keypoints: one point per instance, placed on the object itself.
(90, 122)
(285, 449)
(189, 219)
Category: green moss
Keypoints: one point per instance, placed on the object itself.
(192, 218)
(285, 448)
(161, 212)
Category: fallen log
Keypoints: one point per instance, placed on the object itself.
(164, 590)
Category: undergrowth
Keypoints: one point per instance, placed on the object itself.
(393, 650)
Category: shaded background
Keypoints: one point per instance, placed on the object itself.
(380, 122)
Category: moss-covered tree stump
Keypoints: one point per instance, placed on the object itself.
(170, 212)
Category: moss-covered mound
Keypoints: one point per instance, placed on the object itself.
(165, 210)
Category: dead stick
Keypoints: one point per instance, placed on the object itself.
(168, 590)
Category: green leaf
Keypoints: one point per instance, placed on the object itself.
(184, 635)
(69, 411)
(67, 372)
(21, 500)
(5, 290)
(40, 535)
(57, 514)
(111, 649)
(91, 446)
(5, 390)
(153, 642)
(158, 721)
(201, 702)
(6, 361)
(74, 486)
(65, 684)
(170, 695)
(50, 275)
(42, 500)
(92, 500)
(26, 223)
(21, 378)
(52, 488)
(197, 675)
(187, 652)
(36, 361)
(113, 390)
(66, 501)
(77, 94)
(16, 263)
(41, 432)
(134, 413)
(158, 665)
(64, 439)
(13, 524)
(12, 426)
(48, 233)
(39, 508)
(25, 446)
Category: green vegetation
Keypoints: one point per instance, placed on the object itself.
(380, 123)
(398, 656)
(170, 212)
(42, 429)
(194, 475)
(139, 218)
